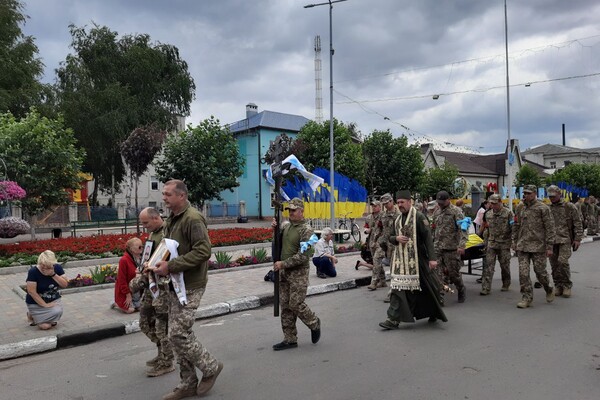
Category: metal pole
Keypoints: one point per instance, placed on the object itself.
(509, 145)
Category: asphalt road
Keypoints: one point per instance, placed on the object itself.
(489, 349)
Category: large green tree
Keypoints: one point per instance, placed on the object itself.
(585, 176)
(110, 85)
(20, 68)
(41, 156)
(437, 179)
(348, 159)
(391, 163)
(528, 175)
(205, 157)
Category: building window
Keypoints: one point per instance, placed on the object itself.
(152, 204)
(153, 183)
(552, 164)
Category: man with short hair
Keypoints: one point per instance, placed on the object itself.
(372, 230)
(533, 239)
(499, 225)
(569, 232)
(154, 313)
(450, 241)
(384, 249)
(187, 226)
(414, 291)
(293, 278)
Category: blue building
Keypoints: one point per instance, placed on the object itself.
(254, 134)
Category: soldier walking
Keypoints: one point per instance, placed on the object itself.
(569, 232)
(383, 250)
(450, 241)
(293, 278)
(372, 230)
(533, 239)
(592, 216)
(499, 222)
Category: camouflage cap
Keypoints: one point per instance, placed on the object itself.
(386, 198)
(494, 199)
(553, 190)
(529, 189)
(294, 204)
(375, 203)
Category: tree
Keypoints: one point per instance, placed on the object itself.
(206, 158)
(40, 155)
(528, 175)
(391, 164)
(585, 176)
(348, 158)
(20, 67)
(437, 179)
(110, 86)
(139, 150)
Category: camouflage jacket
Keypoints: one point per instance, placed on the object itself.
(567, 222)
(387, 220)
(375, 229)
(447, 234)
(499, 228)
(534, 227)
(292, 234)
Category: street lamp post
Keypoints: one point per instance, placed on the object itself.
(509, 149)
(331, 178)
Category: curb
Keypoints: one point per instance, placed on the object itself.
(86, 336)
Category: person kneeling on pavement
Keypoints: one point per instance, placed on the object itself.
(324, 258)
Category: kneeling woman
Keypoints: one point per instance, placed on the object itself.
(43, 299)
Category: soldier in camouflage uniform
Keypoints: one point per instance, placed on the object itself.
(569, 232)
(592, 216)
(499, 223)
(187, 226)
(293, 279)
(533, 238)
(154, 315)
(383, 249)
(373, 231)
(449, 241)
(582, 208)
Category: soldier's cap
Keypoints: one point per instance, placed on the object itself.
(375, 203)
(403, 194)
(529, 189)
(553, 190)
(494, 199)
(294, 204)
(386, 198)
(442, 196)
(431, 205)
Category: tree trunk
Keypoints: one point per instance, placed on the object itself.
(32, 224)
(137, 221)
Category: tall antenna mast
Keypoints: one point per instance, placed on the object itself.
(318, 88)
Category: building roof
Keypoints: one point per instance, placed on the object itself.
(270, 119)
(549, 148)
(471, 163)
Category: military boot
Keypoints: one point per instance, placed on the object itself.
(484, 291)
(549, 294)
(388, 324)
(373, 285)
(462, 294)
(505, 288)
(524, 303)
(566, 292)
(178, 393)
(558, 291)
(160, 369)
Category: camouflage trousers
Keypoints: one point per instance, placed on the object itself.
(539, 267)
(592, 225)
(378, 267)
(559, 261)
(293, 285)
(449, 264)
(503, 256)
(190, 352)
(154, 322)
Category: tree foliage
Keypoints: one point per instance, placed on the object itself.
(391, 164)
(110, 86)
(528, 175)
(41, 156)
(437, 179)
(348, 159)
(585, 176)
(205, 157)
(20, 68)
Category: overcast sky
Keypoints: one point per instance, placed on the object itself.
(391, 57)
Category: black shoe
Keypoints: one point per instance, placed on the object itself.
(284, 346)
(478, 280)
(537, 285)
(315, 334)
(356, 266)
(322, 275)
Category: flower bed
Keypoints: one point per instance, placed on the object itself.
(102, 246)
